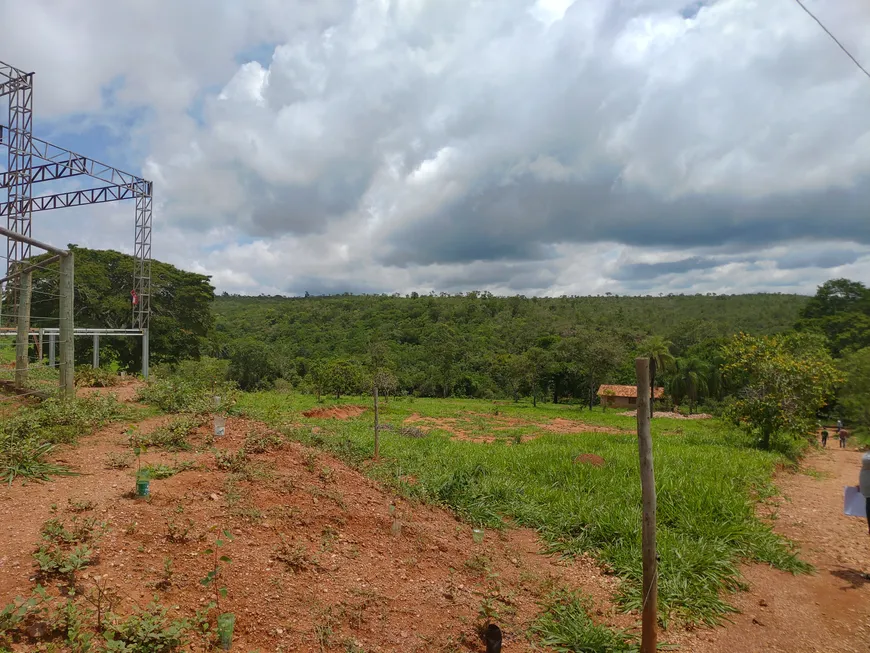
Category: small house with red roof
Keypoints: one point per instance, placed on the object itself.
(622, 396)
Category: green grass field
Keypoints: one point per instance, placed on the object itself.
(708, 481)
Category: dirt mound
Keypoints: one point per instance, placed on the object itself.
(335, 412)
(124, 392)
(589, 459)
(633, 413)
(560, 425)
(319, 559)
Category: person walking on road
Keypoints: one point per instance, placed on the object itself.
(843, 435)
(824, 437)
(864, 484)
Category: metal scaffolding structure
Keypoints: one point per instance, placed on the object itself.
(54, 163)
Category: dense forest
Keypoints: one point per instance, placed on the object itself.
(476, 344)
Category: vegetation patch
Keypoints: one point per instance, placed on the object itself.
(708, 481)
(190, 387)
(173, 436)
(87, 376)
(30, 436)
(565, 626)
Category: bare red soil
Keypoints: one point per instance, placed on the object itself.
(316, 551)
(590, 459)
(335, 412)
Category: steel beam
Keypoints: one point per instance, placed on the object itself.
(45, 172)
(75, 198)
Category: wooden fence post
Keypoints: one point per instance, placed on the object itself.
(649, 633)
(377, 426)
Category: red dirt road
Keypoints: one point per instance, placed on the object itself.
(828, 611)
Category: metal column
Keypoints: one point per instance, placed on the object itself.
(52, 339)
(96, 359)
(19, 161)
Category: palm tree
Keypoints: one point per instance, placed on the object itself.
(690, 379)
(658, 350)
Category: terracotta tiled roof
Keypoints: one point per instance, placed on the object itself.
(625, 391)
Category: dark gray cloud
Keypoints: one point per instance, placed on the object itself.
(818, 259)
(646, 272)
(518, 220)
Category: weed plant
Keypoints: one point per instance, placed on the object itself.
(564, 626)
(173, 436)
(190, 387)
(99, 377)
(30, 435)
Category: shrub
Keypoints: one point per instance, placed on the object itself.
(147, 630)
(90, 377)
(189, 387)
(173, 436)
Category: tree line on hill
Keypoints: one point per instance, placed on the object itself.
(769, 361)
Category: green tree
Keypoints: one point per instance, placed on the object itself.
(658, 350)
(840, 310)
(690, 379)
(603, 356)
(854, 395)
(343, 377)
(508, 373)
(180, 306)
(535, 364)
(252, 365)
(837, 296)
(444, 351)
(783, 381)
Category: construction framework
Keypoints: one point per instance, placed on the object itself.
(53, 163)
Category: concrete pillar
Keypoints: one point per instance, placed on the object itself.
(52, 341)
(66, 337)
(145, 353)
(23, 340)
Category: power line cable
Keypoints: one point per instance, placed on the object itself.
(835, 39)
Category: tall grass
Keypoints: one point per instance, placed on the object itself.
(707, 481)
(564, 626)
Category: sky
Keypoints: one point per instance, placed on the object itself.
(537, 147)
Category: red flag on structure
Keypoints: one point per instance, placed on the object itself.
(135, 297)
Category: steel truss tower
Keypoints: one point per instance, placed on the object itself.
(58, 163)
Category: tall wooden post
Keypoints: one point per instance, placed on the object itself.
(649, 633)
(23, 340)
(66, 337)
(377, 426)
